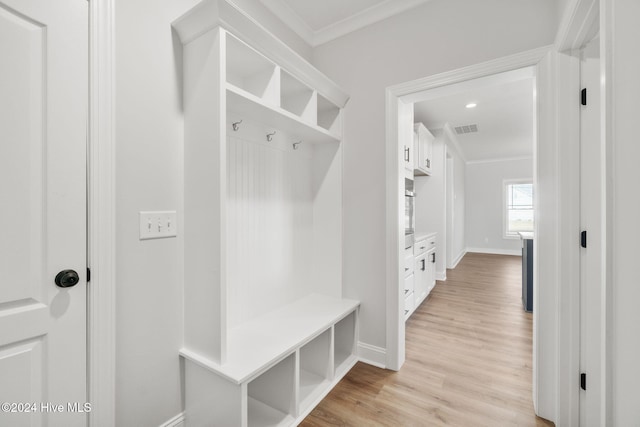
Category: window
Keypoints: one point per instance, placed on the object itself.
(518, 213)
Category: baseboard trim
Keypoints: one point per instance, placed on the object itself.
(458, 259)
(177, 421)
(372, 355)
(441, 276)
(495, 251)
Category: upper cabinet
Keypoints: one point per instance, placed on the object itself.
(422, 150)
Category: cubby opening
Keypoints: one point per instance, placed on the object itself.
(298, 98)
(271, 396)
(315, 368)
(329, 116)
(344, 341)
(252, 72)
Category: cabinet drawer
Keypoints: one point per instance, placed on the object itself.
(408, 284)
(408, 305)
(408, 252)
(408, 266)
(424, 245)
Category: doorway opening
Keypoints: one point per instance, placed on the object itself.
(400, 100)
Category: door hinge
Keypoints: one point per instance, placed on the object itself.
(583, 381)
(583, 239)
(583, 96)
(88, 274)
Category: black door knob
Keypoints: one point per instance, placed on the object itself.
(67, 278)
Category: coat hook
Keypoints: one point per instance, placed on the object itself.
(270, 136)
(295, 145)
(236, 125)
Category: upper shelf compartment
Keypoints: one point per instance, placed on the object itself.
(260, 91)
(208, 15)
(298, 98)
(329, 116)
(250, 71)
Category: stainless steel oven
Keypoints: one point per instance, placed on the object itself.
(409, 212)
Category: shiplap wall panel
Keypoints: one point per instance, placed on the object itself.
(270, 223)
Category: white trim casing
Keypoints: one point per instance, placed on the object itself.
(394, 98)
(101, 211)
(177, 421)
(493, 251)
(506, 182)
(366, 17)
(372, 355)
(458, 259)
(502, 159)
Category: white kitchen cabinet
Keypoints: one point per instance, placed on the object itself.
(422, 150)
(421, 270)
(408, 153)
(424, 250)
(262, 184)
(409, 282)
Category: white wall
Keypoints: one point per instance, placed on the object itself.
(430, 205)
(484, 210)
(149, 175)
(456, 217)
(438, 36)
(622, 33)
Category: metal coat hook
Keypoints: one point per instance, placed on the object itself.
(270, 136)
(295, 145)
(236, 125)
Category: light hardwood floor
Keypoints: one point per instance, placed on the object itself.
(468, 359)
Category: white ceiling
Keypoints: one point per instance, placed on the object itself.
(504, 115)
(319, 21)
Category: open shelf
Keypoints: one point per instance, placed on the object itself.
(344, 345)
(297, 98)
(315, 363)
(247, 105)
(252, 72)
(271, 396)
(329, 116)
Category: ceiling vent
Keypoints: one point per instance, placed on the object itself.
(466, 129)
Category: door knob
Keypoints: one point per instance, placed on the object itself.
(67, 278)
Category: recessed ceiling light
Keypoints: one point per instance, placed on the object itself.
(471, 105)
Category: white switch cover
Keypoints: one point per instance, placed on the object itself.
(158, 225)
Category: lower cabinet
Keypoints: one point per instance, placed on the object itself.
(421, 272)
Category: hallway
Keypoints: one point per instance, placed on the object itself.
(468, 359)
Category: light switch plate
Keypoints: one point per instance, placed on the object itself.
(158, 225)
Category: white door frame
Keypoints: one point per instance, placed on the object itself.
(101, 209)
(556, 367)
(395, 181)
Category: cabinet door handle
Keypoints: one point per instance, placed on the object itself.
(406, 154)
(428, 163)
(422, 247)
(406, 269)
(406, 291)
(423, 264)
(405, 312)
(433, 257)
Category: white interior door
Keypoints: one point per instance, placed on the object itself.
(43, 114)
(591, 256)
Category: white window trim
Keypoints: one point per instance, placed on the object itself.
(505, 220)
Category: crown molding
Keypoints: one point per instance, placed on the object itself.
(209, 14)
(291, 19)
(371, 15)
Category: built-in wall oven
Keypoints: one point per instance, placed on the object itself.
(409, 213)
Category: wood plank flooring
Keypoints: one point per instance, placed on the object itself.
(468, 359)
